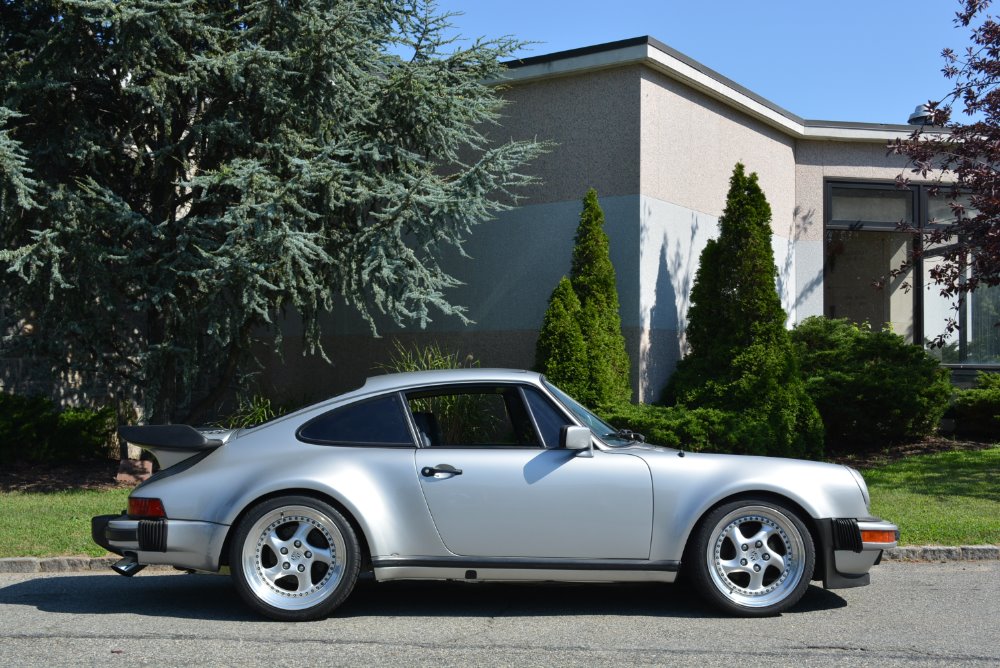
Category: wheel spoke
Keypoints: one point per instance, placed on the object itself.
(275, 544)
(274, 573)
(737, 539)
(301, 532)
(322, 555)
(776, 560)
(756, 579)
(731, 566)
(305, 580)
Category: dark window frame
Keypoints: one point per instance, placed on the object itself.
(920, 193)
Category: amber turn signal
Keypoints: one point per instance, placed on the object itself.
(139, 507)
(878, 536)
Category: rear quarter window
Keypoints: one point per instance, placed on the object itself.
(376, 422)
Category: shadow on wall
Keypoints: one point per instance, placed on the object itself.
(804, 222)
(665, 306)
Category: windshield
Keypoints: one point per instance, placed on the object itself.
(601, 429)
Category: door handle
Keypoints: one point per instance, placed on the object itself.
(432, 471)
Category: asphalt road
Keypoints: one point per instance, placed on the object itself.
(912, 614)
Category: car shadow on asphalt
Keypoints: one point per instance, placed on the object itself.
(212, 597)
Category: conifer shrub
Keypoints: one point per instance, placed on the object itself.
(692, 429)
(593, 279)
(581, 347)
(561, 352)
(977, 410)
(741, 358)
(871, 388)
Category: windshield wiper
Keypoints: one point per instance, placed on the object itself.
(628, 435)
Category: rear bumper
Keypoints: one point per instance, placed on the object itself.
(181, 543)
(846, 557)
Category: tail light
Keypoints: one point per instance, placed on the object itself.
(139, 507)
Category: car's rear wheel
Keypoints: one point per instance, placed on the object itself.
(294, 558)
(751, 558)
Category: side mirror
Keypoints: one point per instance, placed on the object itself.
(577, 438)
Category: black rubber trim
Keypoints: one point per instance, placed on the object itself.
(103, 536)
(832, 579)
(152, 535)
(168, 437)
(847, 535)
(530, 564)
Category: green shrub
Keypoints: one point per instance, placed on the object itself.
(425, 358)
(561, 352)
(871, 388)
(34, 430)
(581, 346)
(977, 411)
(252, 411)
(741, 359)
(696, 429)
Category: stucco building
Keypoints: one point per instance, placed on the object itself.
(658, 134)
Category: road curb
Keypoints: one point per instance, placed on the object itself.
(923, 553)
(943, 553)
(62, 564)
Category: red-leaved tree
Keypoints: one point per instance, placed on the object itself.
(963, 159)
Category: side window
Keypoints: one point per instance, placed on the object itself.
(379, 421)
(472, 416)
(549, 419)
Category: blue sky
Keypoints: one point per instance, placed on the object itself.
(870, 61)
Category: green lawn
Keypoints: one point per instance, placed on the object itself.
(948, 498)
(34, 524)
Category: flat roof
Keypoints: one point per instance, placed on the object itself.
(655, 54)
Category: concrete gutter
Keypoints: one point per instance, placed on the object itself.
(925, 553)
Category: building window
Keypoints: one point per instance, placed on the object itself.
(864, 246)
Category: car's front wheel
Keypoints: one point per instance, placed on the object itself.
(294, 558)
(751, 558)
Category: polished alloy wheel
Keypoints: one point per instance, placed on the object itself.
(293, 557)
(756, 556)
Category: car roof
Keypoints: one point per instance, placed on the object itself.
(391, 381)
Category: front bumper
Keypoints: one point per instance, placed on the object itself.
(846, 557)
(182, 543)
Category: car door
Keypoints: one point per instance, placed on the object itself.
(494, 489)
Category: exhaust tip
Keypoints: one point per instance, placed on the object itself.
(128, 566)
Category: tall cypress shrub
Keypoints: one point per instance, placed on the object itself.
(593, 367)
(593, 279)
(561, 352)
(741, 356)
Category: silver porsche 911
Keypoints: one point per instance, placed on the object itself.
(478, 474)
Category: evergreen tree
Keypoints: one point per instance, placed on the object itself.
(593, 279)
(561, 352)
(741, 356)
(203, 166)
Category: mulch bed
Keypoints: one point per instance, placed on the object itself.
(929, 445)
(94, 474)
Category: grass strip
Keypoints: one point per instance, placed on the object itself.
(946, 498)
(51, 524)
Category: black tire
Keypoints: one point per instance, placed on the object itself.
(751, 558)
(294, 558)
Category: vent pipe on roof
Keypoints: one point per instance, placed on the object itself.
(920, 116)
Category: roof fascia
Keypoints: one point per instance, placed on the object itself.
(670, 62)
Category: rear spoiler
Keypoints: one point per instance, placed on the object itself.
(172, 443)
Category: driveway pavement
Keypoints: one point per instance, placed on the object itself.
(912, 614)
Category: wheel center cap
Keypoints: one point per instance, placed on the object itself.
(753, 556)
(296, 556)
